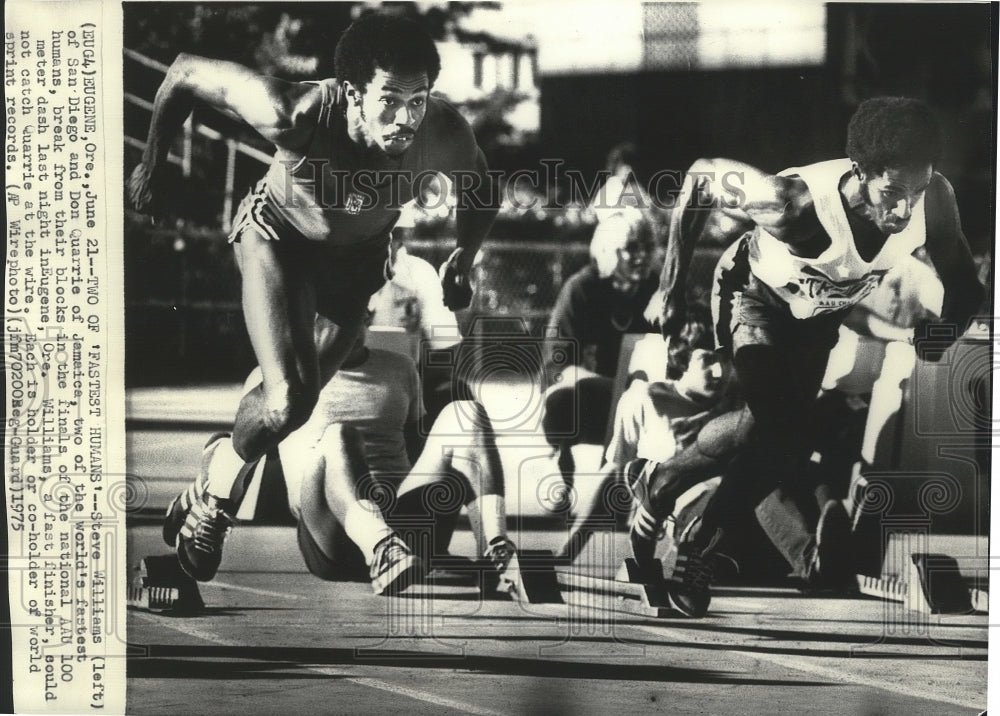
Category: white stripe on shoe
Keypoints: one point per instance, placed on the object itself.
(645, 524)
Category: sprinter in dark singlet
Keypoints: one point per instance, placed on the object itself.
(313, 236)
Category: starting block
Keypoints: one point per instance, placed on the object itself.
(935, 586)
(633, 590)
(161, 585)
(931, 573)
(154, 599)
(534, 577)
(932, 584)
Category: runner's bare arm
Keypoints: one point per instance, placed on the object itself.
(476, 210)
(739, 191)
(949, 251)
(281, 112)
(474, 216)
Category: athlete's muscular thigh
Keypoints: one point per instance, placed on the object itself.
(279, 306)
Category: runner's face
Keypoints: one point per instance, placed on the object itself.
(891, 195)
(392, 107)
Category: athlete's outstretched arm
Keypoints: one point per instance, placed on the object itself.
(473, 221)
(739, 191)
(279, 111)
(478, 204)
(950, 254)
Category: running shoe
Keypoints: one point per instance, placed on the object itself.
(199, 542)
(394, 567)
(689, 586)
(178, 508)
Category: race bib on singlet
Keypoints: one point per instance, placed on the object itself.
(818, 293)
(839, 277)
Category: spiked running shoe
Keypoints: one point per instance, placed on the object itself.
(394, 567)
(178, 508)
(689, 586)
(199, 542)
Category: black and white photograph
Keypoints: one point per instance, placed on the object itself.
(503, 358)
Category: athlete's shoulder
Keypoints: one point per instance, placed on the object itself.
(940, 192)
(449, 133)
(306, 99)
(445, 116)
(320, 100)
(801, 184)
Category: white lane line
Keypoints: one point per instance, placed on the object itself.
(250, 590)
(369, 682)
(189, 629)
(423, 696)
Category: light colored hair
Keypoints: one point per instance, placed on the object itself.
(612, 234)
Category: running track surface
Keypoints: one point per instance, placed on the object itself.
(274, 639)
(285, 642)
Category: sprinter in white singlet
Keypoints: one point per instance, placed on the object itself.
(816, 240)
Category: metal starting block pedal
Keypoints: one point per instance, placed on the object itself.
(634, 590)
(154, 599)
(932, 584)
(161, 585)
(530, 578)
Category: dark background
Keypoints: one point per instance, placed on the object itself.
(182, 290)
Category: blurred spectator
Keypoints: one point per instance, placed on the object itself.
(413, 300)
(596, 307)
(654, 420)
(622, 190)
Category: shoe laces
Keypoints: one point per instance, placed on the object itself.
(712, 554)
(211, 526)
(694, 571)
(647, 526)
(388, 551)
